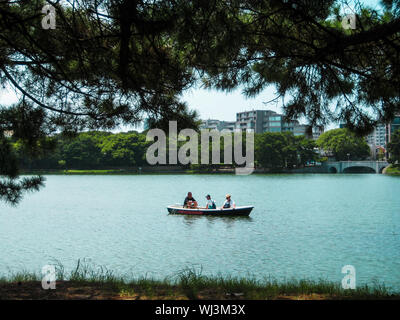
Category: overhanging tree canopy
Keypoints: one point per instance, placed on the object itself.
(110, 62)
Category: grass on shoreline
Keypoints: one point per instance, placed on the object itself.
(86, 282)
(395, 170)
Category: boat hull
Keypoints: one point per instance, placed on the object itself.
(238, 211)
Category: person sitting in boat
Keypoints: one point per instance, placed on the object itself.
(229, 203)
(190, 202)
(210, 203)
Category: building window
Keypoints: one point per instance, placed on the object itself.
(274, 124)
(274, 118)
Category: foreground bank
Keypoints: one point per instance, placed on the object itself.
(188, 285)
(392, 170)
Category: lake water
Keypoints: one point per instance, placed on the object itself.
(302, 227)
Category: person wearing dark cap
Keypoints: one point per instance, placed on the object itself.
(210, 203)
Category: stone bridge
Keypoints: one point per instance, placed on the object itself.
(352, 166)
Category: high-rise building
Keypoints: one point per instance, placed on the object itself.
(261, 121)
(210, 124)
(381, 136)
(218, 125)
(392, 127)
(378, 137)
(377, 140)
(253, 120)
(316, 132)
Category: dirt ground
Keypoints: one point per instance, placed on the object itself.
(32, 290)
(65, 290)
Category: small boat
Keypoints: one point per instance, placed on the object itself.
(238, 211)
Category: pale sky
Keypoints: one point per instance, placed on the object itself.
(212, 104)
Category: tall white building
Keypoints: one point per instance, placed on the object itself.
(378, 137)
(218, 125)
(259, 121)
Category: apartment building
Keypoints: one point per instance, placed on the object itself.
(392, 127)
(378, 136)
(213, 124)
(260, 121)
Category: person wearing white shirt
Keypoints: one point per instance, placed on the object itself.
(229, 203)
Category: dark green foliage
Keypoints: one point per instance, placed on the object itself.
(27, 125)
(344, 145)
(93, 150)
(104, 150)
(127, 149)
(82, 152)
(12, 188)
(283, 150)
(106, 63)
(394, 147)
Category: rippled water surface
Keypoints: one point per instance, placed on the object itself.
(303, 226)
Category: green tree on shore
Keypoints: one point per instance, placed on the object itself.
(91, 150)
(124, 149)
(344, 145)
(283, 150)
(394, 148)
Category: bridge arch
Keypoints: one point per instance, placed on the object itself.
(359, 169)
(332, 170)
(362, 166)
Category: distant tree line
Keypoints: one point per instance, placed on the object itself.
(102, 150)
(88, 150)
